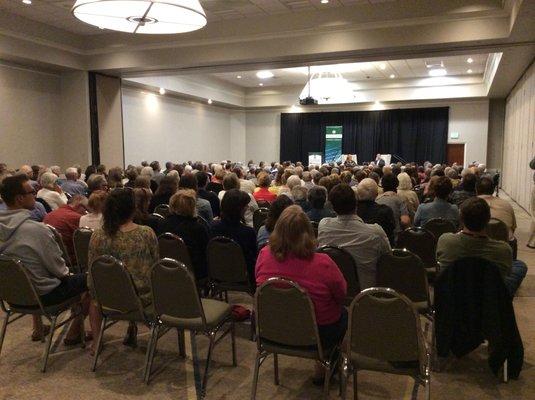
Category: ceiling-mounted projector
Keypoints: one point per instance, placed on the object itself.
(308, 101)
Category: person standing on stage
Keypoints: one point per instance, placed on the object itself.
(379, 161)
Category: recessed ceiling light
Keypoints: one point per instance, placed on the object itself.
(469, 71)
(162, 91)
(470, 60)
(392, 76)
(264, 74)
(324, 1)
(437, 72)
(27, 1)
(238, 77)
(260, 84)
(382, 66)
(209, 101)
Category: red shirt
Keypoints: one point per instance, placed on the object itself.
(320, 277)
(65, 219)
(264, 194)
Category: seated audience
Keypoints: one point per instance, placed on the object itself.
(51, 192)
(307, 180)
(34, 244)
(396, 203)
(115, 178)
(216, 183)
(472, 241)
(299, 195)
(263, 193)
(72, 185)
(232, 225)
(231, 181)
(131, 175)
(465, 190)
(204, 209)
(135, 245)
(408, 195)
(167, 188)
(148, 173)
(373, 213)
(96, 182)
(157, 176)
(66, 220)
(317, 196)
(365, 242)
(95, 205)
(202, 182)
(439, 207)
(276, 209)
(291, 254)
(183, 222)
(499, 208)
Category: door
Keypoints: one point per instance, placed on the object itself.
(455, 153)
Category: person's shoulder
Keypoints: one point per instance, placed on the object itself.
(326, 221)
(146, 230)
(448, 238)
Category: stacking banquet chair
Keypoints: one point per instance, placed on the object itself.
(404, 272)
(264, 204)
(439, 226)
(162, 209)
(61, 244)
(81, 239)
(286, 324)
(117, 298)
(384, 335)
(177, 305)
(259, 218)
(422, 243)
(18, 296)
(348, 267)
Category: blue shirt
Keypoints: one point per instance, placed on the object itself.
(438, 208)
(73, 187)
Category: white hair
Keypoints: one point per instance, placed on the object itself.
(48, 180)
(367, 189)
(55, 169)
(147, 171)
(71, 173)
(405, 182)
(293, 181)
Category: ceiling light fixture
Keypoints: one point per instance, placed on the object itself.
(469, 71)
(162, 91)
(470, 60)
(142, 16)
(260, 84)
(392, 76)
(438, 72)
(264, 74)
(27, 2)
(324, 1)
(238, 77)
(382, 66)
(209, 101)
(328, 88)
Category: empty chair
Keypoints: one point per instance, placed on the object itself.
(172, 246)
(384, 335)
(422, 243)
(18, 296)
(439, 226)
(497, 230)
(61, 244)
(227, 269)
(116, 295)
(81, 239)
(177, 305)
(347, 265)
(162, 209)
(286, 324)
(259, 218)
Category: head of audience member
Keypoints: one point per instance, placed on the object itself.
(35, 172)
(71, 174)
(317, 196)
(174, 174)
(231, 181)
(167, 187)
(233, 205)
(293, 181)
(56, 170)
(437, 172)
(346, 177)
(97, 182)
(276, 209)
(316, 177)
(475, 215)
(202, 179)
(485, 186)
(264, 180)
(299, 193)
(142, 197)
(367, 190)
(405, 182)
(90, 170)
(188, 181)
(292, 235)
(78, 203)
(147, 171)
(396, 170)
(184, 203)
(442, 188)
(119, 209)
(131, 174)
(115, 177)
(144, 163)
(343, 199)
(390, 183)
(169, 166)
(49, 181)
(481, 169)
(451, 173)
(101, 169)
(378, 171)
(375, 176)
(155, 165)
(96, 201)
(142, 182)
(26, 170)
(387, 169)
(360, 175)
(307, 176)
(17, 192)
(469, 182)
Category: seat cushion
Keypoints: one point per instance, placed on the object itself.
(50, 310)
(215, 312)
(361, 362)
(295, 351)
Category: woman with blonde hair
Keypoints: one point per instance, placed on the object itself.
(291, 253)
(95, 205)
(408, 195)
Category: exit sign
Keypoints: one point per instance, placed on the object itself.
(454, 135)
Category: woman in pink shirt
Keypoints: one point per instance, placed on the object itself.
(291, 254)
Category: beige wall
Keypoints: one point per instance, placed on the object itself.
(519, 139)
(110, 121)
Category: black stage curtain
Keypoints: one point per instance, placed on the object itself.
(417, 134)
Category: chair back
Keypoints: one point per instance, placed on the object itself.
(285, 314)
(383, 325)
(404, 272)
(263, 204)
(61, 245)
(173, 247)
(162, 209)
(174, 291)
(420, 242)
(114, 288)
(439, 226)
(81, 239)
(226, 263)
(497, 230)
(16, 286)
(347, 265)
(259, 217)
(315, 227)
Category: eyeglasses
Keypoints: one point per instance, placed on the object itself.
(26, 193)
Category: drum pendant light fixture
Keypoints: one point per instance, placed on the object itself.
(142, 16)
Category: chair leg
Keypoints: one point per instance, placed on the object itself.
(82, 327)
(233, 343)
(327, 380)
(181, 343)
(276, 367)
(151, 349)
(48, 344)
(99, 344)
(505, 373)
(255, 375)
(3, 330)
(343, 376)
(207, 366)
(428, 388)
(355, 391)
